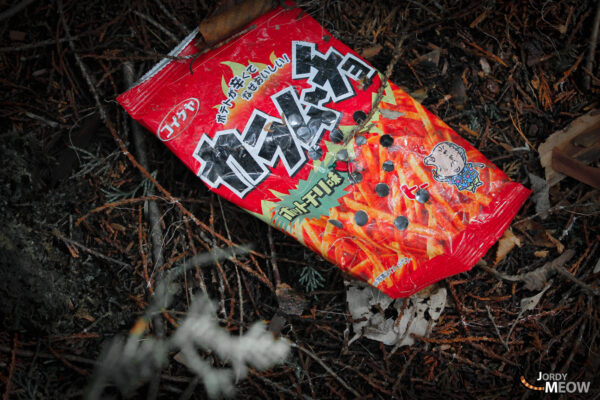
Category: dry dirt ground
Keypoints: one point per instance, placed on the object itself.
(500, 73)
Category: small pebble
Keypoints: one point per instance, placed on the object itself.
(401, 223)
(382, 189)
(361, 218)
(386, 140)
(422, 195)
(328, 117)
(315, 153)
(314, 125)
(295, 120)
(356, 177)
(304, 133)
(336, 223)
(342, 155)
(359, 116)
(336, 136)
(360, 140)
(388, 166)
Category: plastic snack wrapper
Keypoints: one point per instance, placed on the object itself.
(268, 121)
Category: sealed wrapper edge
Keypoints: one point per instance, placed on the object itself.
(262, 121)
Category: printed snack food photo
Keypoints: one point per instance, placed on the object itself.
(270, 121)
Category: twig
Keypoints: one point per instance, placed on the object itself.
(403, 372)
(329, 370)
(156, 234)
(158, 26)
(551, 210)
(114, 204)
(15, 9)
(68, 241)
(237, 271)
(183, 29)
(68, 363)
(496, 327)
(13, 361)
(109, 125)
(468, 339)
(518, 128)
(569, 71)
(475, 364)
(487, 53)
(555, 265)
(273, 257)
(565, 367)
(565, 273)
(593, 41)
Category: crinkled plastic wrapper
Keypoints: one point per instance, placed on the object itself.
(266, 121)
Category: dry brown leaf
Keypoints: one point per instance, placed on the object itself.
(82, 313)
(538, 236)
(220, 26)
(371, 51)
(529, 303)
(541, 195)
(541, 253)
(559, 246)
(507, 242)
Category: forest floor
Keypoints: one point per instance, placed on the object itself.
(505, 75)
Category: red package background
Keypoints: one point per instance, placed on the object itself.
(260, 120)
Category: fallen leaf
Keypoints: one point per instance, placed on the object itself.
(371, 51)
(420, 94)
(433, 57)
(538, 278)
(369, 307)
(83, 314)
(221, 25)
(529, 303)
(485, 66)
(537, 235)
(180, 358)
(559, 246)
(541, 195)
(541, 253)
(506, 243)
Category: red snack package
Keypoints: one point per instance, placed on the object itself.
(264, 121)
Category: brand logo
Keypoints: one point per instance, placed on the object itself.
(240, 161)
(178, 119)
(556, 383)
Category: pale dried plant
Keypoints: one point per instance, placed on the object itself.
(129, 362)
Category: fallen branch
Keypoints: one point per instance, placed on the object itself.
(592, 53)
(329, 370)
(537, 278)
(156, 234)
